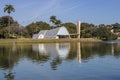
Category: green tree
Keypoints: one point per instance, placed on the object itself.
(36, 27)
(9, 8)
(4, 29)
(71, 27)
(4, 21)
(87, 30)
(56, 22)
(105, 34)
(116, 27)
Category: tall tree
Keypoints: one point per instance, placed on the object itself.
(4, 29)
(4, 21)
(55, 21)
(9, 8)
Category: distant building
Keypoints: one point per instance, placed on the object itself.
(117, 32)
(112, 30)
(56, 33)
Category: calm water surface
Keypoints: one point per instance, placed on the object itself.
(60, 61)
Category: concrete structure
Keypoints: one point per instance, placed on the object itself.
(56, 33)
(78, 28)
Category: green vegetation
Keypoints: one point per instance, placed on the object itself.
(71, 27)
(5, 28)
(36, 27)
(105, 34)
(31, 41)
(55, 21)
(9, 8)
(101, 31)
(9, 28)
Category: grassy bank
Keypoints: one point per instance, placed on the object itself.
(27, 40)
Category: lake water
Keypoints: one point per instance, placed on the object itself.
(60, 61)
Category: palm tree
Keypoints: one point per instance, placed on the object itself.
(55, 21)
(9, 8)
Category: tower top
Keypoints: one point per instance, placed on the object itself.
(79, 21)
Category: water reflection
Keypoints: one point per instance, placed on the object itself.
(79, 52)
(53, 54)
(60, 50)
(41, 53)
(56, 51)
(9, 76)
(112, 42)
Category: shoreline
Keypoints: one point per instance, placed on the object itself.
(29, 40)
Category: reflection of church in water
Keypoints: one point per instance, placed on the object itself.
(56, 50)
(60, 50)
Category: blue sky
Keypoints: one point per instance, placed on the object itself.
(91, 11)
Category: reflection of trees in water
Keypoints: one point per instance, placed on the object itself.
(57, 52)
(116, 50)
(72, 54)
(10, 56)
(9, 76)
(55, 63)
(7, 58)
(90, 50)
(36, 57)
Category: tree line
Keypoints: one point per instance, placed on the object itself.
(9, 28)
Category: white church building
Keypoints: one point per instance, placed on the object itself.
(56, 33)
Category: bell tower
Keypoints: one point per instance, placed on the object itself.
(78, 28)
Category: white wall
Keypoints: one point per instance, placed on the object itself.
(41, 36)
(63, 31)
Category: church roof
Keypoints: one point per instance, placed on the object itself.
(53, 32)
